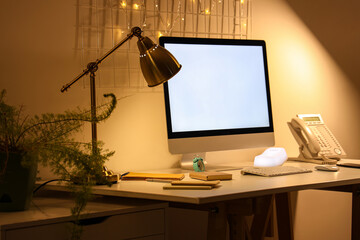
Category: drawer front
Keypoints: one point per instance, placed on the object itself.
(50, 231)
(155, 237)
(146, 225)
(132, 225)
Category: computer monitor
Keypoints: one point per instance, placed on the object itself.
(220, 100)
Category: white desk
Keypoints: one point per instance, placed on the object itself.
(243, 190)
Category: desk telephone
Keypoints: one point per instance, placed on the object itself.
(316, 142)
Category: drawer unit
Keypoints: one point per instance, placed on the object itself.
(118, 219)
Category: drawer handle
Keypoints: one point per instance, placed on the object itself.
(90, 221)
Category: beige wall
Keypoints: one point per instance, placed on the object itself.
(37, 58)
(306, 79)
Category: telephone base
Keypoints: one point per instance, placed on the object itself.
(326, 161)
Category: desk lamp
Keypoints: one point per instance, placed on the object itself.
(157, 65)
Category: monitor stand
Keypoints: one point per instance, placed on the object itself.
(186, 163)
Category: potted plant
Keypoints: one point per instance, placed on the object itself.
(48, 139)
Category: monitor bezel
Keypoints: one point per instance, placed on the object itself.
(221, 132)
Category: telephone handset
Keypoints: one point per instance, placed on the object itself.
(316, 142)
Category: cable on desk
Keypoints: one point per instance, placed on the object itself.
(43, 184)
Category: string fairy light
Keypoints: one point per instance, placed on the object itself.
(168, 19)
(192, 18)
(136, 6)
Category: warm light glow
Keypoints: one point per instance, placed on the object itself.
(207, 11)
(118, 34)
(242, 1)
(243, 24)
(300, 61)
(123, 4)
(160, 34)
(136, 6)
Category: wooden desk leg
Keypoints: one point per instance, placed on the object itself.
(284, 216)
(355, 224)
(262, 215)
(216, 218)
(238, 227)
(216, 222)
(236, 211)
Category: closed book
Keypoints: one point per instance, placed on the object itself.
(145, 176)
(196, 183)
(187, 187)
(211, 175)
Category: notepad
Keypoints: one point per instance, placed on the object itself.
(349, 164)
(211, 175)
(144, 176)
(187, 187)
(197, 185)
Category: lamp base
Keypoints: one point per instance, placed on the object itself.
(112, 179)
(108, 177)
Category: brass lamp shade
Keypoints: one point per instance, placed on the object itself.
(157, 64)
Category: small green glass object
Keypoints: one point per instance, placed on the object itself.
(198, 164)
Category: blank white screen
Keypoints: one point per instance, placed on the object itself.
(219, 87)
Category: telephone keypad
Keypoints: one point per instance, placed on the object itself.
(323, 136)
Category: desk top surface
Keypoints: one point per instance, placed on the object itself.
(241, 186)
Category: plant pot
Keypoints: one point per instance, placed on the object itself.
(17, 183)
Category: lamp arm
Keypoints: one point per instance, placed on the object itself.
(135, 31)
(93, 66)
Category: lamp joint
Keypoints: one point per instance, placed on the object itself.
(92, 67)
(136, 31)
